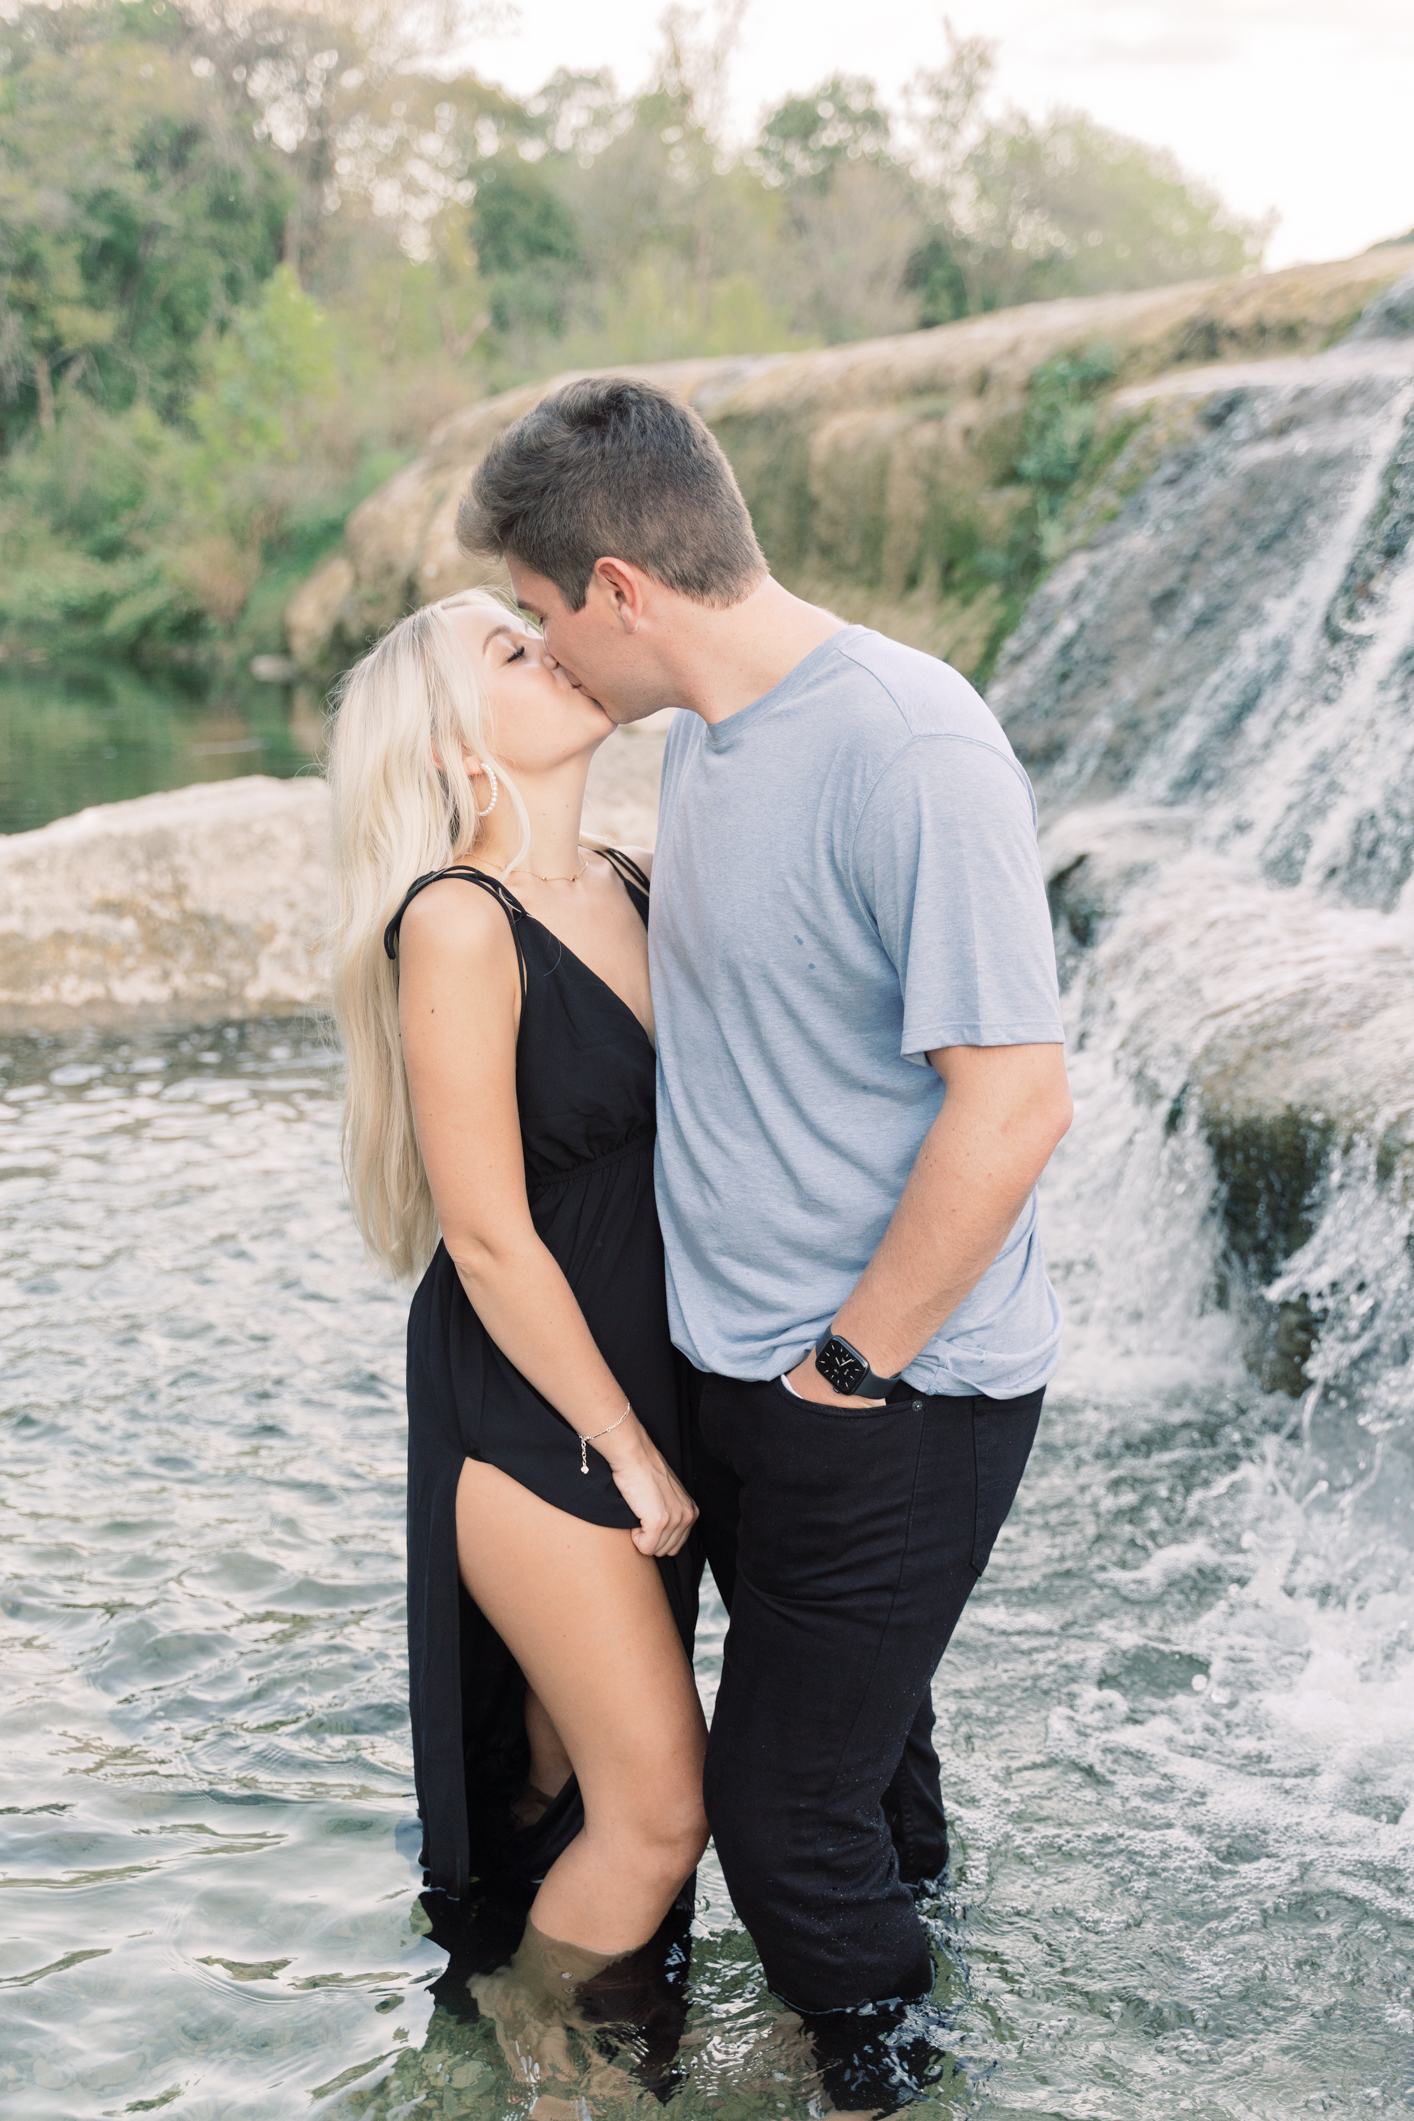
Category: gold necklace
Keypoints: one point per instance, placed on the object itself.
(562, 879)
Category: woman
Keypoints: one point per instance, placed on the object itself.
(491, 982)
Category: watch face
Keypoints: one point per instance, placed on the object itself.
(841, 1370)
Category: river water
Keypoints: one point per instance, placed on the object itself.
(102, 733)
(1175, 1726)
(1177, 1723)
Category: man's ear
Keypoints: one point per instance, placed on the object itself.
(623, 587)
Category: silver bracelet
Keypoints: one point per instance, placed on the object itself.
(586, 1441)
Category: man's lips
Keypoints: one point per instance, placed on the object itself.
(576, 685)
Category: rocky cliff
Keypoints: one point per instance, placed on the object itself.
(918, 483)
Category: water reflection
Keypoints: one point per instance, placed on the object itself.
(103, 733)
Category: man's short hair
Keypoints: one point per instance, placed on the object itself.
(612, 467)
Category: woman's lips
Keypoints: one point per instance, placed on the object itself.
(576, 686)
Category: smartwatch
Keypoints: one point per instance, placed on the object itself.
(846, 1371)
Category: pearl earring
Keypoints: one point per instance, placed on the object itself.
(490, 773)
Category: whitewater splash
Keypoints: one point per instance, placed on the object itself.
(1214, 699)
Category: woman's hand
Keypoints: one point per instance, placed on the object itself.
(665, 1511)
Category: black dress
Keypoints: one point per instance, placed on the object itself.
(585, 1090)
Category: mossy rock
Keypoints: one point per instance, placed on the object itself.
(1269, 1168)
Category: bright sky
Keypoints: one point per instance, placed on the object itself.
(1302, 105)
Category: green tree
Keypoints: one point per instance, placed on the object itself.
(346, 92)
(1019, 209)
(520, 220)
(134, 214)
(527, 244)
(680, 240)
(269, 378)
(46, 320)
(809, 137)
(944, 109)
(853, 214)
(131, 532)
(1069, 207)
(935, 273)
(251, 251)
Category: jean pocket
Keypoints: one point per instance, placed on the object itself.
(1003, 1431)
(803, 1405)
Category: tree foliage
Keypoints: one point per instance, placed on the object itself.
(252, 250)
(810, 137)
(135, 213)
(1071, 208)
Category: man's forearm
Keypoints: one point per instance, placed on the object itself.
(970, 1181)
(961, 1201)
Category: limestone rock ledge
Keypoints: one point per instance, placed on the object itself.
(868, 468)
(202, 904)
(1274, 1025)
(1226, 996)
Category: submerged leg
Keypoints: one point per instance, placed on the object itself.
(603, 2028)
(586, 1617)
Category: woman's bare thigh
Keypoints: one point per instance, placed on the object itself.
(586, 1618)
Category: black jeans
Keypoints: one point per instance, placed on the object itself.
(846, 1546)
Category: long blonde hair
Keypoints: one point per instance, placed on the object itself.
(413, 700)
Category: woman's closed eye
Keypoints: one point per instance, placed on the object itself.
(516, 654)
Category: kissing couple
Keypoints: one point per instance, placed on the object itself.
(724, 1212)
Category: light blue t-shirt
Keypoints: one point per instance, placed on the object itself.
(846, 878)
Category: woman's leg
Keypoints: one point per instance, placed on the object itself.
(585, 1616)
(550, 1765)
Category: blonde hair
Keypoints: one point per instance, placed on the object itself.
(412, 702)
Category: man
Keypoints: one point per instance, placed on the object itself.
(861, 1079)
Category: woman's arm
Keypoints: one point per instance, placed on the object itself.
(459, 1002)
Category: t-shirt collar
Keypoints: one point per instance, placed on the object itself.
(721, 736)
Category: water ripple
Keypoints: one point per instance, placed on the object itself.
(1175, 1725)
(206, 1726)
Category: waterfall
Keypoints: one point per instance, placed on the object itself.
(1214, 699)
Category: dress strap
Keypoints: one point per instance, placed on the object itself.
(509, 904)
(628, 869)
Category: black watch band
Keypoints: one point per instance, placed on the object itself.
(846, 1371)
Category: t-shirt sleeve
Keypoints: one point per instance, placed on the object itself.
(946, 862)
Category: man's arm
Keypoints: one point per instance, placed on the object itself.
(1005, 1110)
